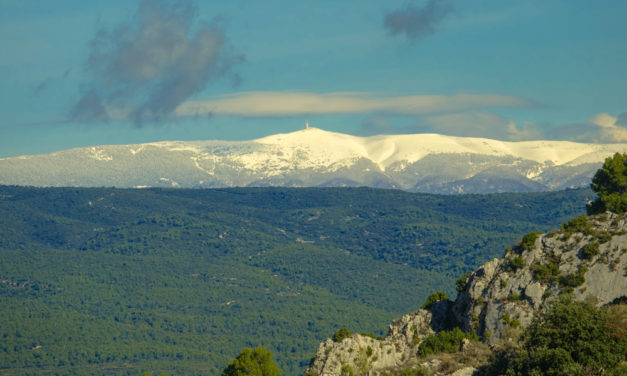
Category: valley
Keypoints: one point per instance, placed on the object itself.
(179, 280)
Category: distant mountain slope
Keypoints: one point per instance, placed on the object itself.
(126, 281)
(313, 157)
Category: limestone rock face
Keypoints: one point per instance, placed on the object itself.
(500, 297)
(468, 371)
(586, 257)
(368, 356)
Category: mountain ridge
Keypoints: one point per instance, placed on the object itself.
(311, 157)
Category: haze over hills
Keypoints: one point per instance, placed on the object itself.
(314, 157)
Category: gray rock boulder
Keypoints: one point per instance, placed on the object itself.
(368, 356)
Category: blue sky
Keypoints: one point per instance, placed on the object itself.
(78, 73)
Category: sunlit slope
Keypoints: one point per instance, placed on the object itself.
(314, 157)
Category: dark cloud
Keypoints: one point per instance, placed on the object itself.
(43, 85)
(144, 69)
(416, 22)
(89, 108)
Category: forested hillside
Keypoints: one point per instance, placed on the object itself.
(178, 281)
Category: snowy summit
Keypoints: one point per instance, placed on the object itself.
(314, 157)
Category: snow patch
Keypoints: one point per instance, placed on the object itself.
(172, 182)
(138, 150)
(99, 154)
(535, 172)
(196, 160)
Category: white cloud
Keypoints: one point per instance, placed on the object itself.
(611, 130)
(269, 104)
(482, 124)
(604, 120)
(528, 131)
(602, 128)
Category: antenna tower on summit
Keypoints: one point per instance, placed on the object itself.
(307, 124)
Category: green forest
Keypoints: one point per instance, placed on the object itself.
(126, 281)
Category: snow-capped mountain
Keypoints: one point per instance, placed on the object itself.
(314, 157)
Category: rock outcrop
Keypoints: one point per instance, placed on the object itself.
(365, 355)
(586, 257)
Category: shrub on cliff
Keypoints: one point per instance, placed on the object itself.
(445, 341)
(610, 183)
(571, 338)
(529, 240)
(462, 282)
(434, 298)
(340, 334)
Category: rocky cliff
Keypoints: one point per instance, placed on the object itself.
(365, 355)
(586, 257)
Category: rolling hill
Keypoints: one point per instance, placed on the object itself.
(122, 281)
